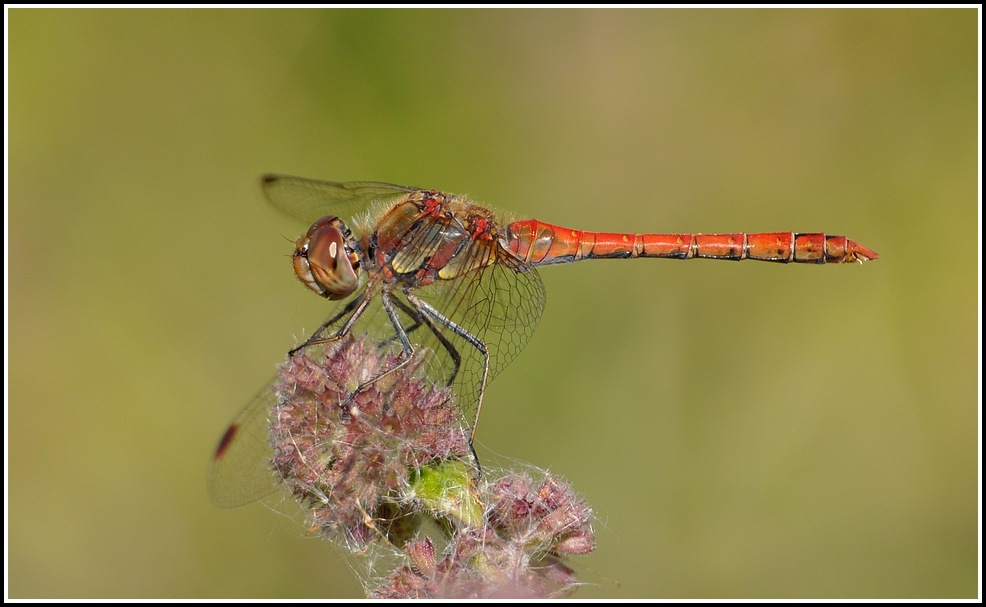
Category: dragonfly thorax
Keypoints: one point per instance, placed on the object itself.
(327, 260)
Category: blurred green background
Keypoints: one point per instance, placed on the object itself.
(742, 430)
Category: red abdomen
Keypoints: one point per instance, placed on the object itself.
(539, 243)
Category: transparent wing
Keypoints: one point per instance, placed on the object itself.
(309, 199)
(241, 470)
(497, 305)
(500, 305)
(494, 306)
(489, 299)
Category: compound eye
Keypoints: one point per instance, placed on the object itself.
(323, 261)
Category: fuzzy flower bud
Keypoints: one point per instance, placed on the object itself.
(379, 457)
(348, 457)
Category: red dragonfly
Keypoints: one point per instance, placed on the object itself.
(423, 270)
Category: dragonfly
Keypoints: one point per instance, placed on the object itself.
(424, 271)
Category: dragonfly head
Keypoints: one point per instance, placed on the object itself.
(326, 260)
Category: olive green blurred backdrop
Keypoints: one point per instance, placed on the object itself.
(742, 430)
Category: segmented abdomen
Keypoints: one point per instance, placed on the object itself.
(541, 243)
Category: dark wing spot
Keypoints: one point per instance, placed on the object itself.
(225, 441)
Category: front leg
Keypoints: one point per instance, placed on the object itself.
(407, 350)
(354, 309)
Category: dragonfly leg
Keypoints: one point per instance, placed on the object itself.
(354, 309)
(416, 323)
(422, 319)
(407, 350)
(423, 315)
(434, 315)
